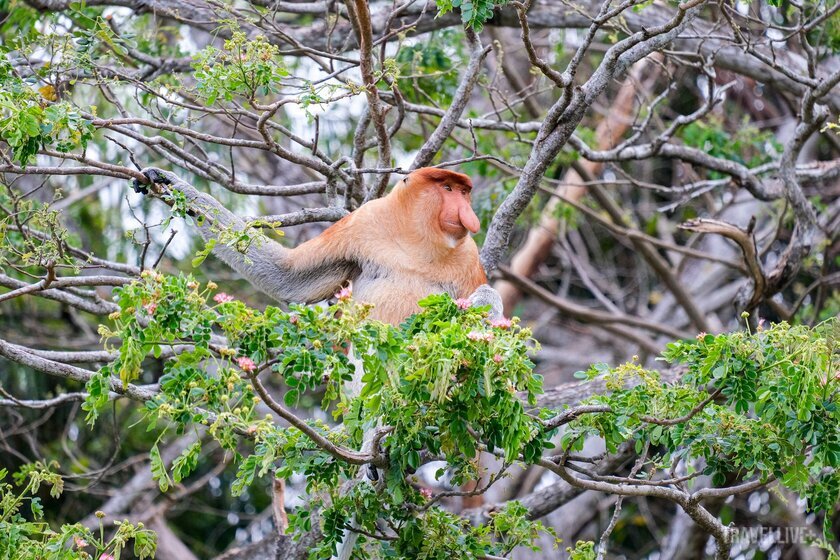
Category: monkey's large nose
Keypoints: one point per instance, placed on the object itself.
(469, 219)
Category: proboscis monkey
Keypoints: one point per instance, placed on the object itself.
(395, 250)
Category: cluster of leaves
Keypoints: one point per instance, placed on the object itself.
(426, 69)
(95, 39)
(20, 25)
(249, 67)
(445, 382)
(447, 386)
(828, 34)
(832, 31)
(474, 13)
(423, 531)
(583, 550)
(747, 144)
(18, 248)
(31, 120)
(775, 414)
(452, 375)
(32, 538)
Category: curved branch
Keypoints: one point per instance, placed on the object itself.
(746, 241)
(337, 451)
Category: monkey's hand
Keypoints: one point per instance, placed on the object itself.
(486, 295)
(161, 183)
(155, 176)
(213, 216)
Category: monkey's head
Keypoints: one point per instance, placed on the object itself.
(441, 198)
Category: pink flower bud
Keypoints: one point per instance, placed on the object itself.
(498, 358)
(503, 323)
(344, 294)
(150, 307)
(222, 297)
(79, 542)
(246, 364)
(462, 303)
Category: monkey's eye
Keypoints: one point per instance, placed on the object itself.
(447, 188)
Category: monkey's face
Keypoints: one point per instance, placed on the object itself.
(456, 216)
(438, 201)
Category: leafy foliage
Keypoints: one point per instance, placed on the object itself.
(775, 415)
(26, 536)
(747, 145)
(21, 249)
(474, 13)
(33, 119)
(243, 66)
(426, 70)
(445, 382)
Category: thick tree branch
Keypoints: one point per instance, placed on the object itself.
(563, 118)
(459, 102)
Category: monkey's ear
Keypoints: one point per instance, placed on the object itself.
(486, 295)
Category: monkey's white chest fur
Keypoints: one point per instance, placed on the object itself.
(395, 297)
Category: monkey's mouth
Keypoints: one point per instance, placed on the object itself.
(456, 229)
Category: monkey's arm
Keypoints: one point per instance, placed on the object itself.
(312, 272)
(487, 295)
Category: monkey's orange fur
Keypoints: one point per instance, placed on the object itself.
(403, 247)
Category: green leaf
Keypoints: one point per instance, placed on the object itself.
(186, 462)
(159, 469)
(36, 507)
(291, 397)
